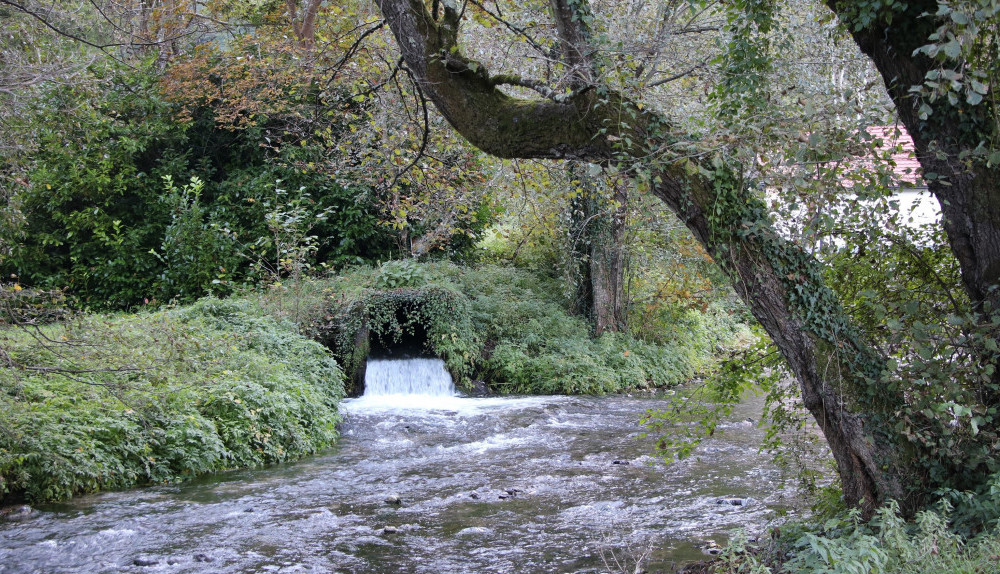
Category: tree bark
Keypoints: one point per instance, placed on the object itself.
(303, 21)
(968, 192)
(969, 195)
(607, 266)
(597, 244)
(781, 284)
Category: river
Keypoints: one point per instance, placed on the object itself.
(432, 484)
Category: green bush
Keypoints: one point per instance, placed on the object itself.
(401, 273)
(506, 326)
(99, 221)
(887, 544)
(116, 401)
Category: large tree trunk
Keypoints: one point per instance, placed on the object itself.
(781, 284)
(968, 192)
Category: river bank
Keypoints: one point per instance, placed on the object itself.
(529, 484)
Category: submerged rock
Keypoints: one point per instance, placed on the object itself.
(16, 513)
(734, 501)
(145, 562)
(510, 493)
(390, 530)
(393, 499)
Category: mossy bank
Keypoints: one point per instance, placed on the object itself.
(505, 327)
(113, 401)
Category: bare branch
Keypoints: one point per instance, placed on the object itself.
(515, 29)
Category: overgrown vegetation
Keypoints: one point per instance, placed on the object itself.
(261, 146)
(97, 402)
(888, 543)
(506, 326)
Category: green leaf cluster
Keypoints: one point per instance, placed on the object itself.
(506, 326)
(112, 401)
(104, 219)
(844, 544)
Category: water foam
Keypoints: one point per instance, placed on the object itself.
(424, 377)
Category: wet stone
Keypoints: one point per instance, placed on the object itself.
(711, 547)
(145, 562)
(622, 462)
(203, 558)
(16, 513)
(390, 530)
(393, 499)
(734, 501)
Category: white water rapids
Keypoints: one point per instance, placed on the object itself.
(407, 377)
(522, 485)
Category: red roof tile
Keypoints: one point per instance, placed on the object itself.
(898, 139)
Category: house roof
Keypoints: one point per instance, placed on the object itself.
(897, 140)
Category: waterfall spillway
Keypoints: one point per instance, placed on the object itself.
(422, 377)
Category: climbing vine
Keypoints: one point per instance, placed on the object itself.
(388, 315)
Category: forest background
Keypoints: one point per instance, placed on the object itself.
(157, 152)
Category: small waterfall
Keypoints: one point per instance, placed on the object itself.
(423, 377)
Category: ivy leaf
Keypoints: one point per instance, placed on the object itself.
(953, 49)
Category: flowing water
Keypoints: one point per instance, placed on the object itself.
(431, 483)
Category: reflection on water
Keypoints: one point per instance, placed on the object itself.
(501, 485)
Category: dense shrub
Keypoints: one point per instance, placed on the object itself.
(105, 402)
(124, 202)
(506, 326)
(843, 544)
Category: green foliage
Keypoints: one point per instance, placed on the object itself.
(99, 221)
(198, 256)
(962, 85)
(974, 510)
(90, 198)
(506, 326)
(887, 544)
(503, 325)
(746, 60)
(103, 401)
(902, 288)
(400, 273)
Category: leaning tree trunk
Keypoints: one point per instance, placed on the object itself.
(782, 285)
